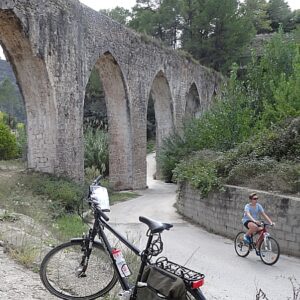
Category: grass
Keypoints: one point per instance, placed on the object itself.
(121, 196)
(69, 226)
(8, 217)
(151, 145)
(12, 164)
(26, 255)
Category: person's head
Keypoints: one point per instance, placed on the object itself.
(253, 197)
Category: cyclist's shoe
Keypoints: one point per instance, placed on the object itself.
(247, 239)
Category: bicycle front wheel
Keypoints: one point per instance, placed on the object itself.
(59, 272)
(269, 251)
(241, 248)
(194, 294)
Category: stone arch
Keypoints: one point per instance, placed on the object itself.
(35, 87)
(192, 105)
(118, 115)
(163, 107)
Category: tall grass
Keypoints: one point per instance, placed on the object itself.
(96, 150)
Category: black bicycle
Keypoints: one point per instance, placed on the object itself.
(85, 268)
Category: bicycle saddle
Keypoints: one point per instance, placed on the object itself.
(155, 226)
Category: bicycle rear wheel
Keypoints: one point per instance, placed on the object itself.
(59, 272)
(194, 294)
(269, 251)
(241, 248)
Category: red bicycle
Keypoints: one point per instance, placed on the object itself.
(266, 247)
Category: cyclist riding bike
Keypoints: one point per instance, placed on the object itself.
(251, 217)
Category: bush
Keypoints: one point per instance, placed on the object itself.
(173, 149)
(21, 140)
(200, 174)
(96, 150)
(8, 144)
(249, 168)
(64, 194)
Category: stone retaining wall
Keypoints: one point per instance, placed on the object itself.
(222, 212)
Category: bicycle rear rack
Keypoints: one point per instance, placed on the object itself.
(178, 270)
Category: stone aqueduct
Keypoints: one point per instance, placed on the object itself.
(53, 45)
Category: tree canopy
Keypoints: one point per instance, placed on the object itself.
(214, 32)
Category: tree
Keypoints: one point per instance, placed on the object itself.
(95, 112)
(158, 18)
(257, 11)
(215, 32)
(280, 14)
(10, 100)
(119, 14)
(146, 18)
(171, 21)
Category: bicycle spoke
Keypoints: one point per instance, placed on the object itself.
(62, 272)
(269, 251)
(241, 248)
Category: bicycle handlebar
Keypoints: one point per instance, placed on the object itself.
(96, 181)
(266, 224)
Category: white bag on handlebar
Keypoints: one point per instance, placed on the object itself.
(100, 195)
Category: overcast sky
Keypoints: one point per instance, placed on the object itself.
(104, 4)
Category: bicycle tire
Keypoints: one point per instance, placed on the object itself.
(194, 294)
(240, 247)
(269, 251)
(58, 272)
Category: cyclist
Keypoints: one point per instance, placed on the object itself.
(252, 212)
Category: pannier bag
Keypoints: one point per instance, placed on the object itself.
(161, 285)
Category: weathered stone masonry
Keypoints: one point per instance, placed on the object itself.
(222, 213)
(54, 44)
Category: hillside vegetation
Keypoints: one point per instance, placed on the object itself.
(251, 136)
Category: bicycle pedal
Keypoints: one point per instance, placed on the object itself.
(124, 295)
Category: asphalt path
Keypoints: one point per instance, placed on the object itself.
(227, 275)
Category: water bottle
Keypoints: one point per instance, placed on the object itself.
(121, 263)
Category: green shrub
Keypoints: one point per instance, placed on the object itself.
(96, 150)
(21, 140)
(64, 194)
(151, 146)
(173, 149)
(8, 144)
(249, 168)
(200, 174)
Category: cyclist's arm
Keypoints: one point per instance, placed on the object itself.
(250, 217)
(267, 217)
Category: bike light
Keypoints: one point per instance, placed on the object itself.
(198, 283)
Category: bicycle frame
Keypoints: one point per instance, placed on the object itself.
(263, 233)
(98, 229)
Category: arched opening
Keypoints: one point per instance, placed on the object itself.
(161, 96)
(118, 121)
(11, 99)
(34, 84)
(193, 107)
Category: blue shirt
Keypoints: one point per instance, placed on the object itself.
(254, 212)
